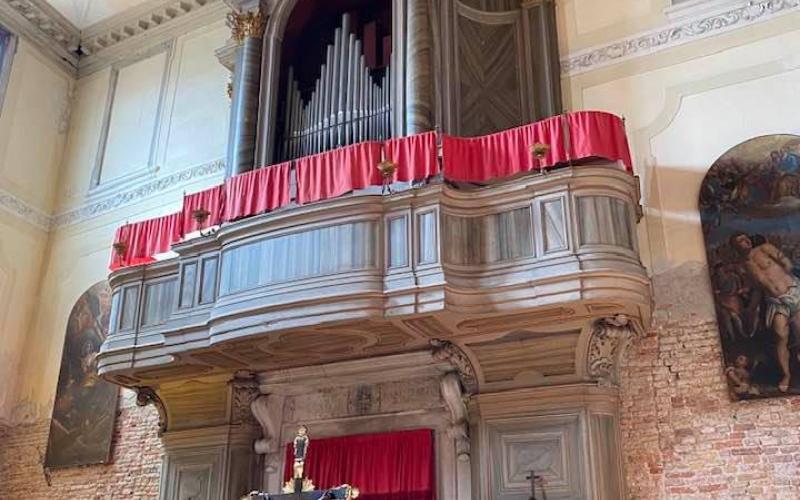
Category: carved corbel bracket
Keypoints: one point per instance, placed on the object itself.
(444, 350)
(268, 410)
(455, 399)
(608, 340)
(148, 395)
(244, 391)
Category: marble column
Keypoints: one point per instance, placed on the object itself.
(419, 71)
(247, 30)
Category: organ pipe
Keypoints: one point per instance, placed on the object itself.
(347, 103)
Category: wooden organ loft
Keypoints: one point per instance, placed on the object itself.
(492, 314)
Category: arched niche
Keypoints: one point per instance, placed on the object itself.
(750, 206)
(84, 411)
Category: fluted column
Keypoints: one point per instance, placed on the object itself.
(419, 71)
(247, 29)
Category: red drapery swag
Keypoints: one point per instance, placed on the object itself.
(333, 173)
(142, 240)
(388, 466)
(503, 154)
(256, 192)
(599, 134)
(415, 156)
(210, 200)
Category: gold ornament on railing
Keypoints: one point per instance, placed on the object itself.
(120, 247)
(245, 24)
(387, 168)
(539, 151)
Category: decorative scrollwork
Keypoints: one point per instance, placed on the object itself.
(444, 350)
(148, 395)
(609, 336)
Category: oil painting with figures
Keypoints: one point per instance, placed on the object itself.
(749, 205)
(85, 408)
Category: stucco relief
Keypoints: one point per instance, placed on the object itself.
(608, 339)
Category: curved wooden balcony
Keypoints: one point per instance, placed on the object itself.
(520, 266)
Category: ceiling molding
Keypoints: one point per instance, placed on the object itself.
(685, 31)
(44, 27)
(114, 38)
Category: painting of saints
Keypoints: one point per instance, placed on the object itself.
(85, 406)
(749, 206)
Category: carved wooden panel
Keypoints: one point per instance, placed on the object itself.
(208, 280)
(490, 238)
(489, 76)
(428, 234)
(551, 446)
(554, 225)
(605, 220)
(193, 474)
(188, 283)
(159, 301)
(316, 252)
(129, 309)
(397, 244)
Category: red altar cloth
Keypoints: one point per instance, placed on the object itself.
(595, 134)
(388, 466)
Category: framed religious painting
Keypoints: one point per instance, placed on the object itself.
(750, 211)
(85, 407)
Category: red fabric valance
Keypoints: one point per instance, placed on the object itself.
(256, 192)
(211, 200)
(142, 240)
(333, 173)
(601, 135)
(415, 156)
(507, 153)
(388, 466)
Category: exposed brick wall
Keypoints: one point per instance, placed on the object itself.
(133, 474)
(682, 436)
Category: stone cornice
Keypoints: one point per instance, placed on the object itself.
(686, 31)
(41, 25)
(17, 207)
(138, 193)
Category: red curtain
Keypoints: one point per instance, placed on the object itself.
(210, 200)
(256, 192)
(333, 173)
(388, 466)
(415, 156)
(503, 154)
(142, 240)
(601, 135)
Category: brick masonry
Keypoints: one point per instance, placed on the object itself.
(682, 436)
(133, 474)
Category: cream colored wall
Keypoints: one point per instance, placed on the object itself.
(686, 106)
(33, 124)
(190, 131)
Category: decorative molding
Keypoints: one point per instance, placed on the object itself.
(247, 24)
(139, 193)
(444, 350)
(688, 30)
(17, 207)
(43, 26)
(146, 396)
(608, 340)
(454, 398)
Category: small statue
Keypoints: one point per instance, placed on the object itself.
(300, 450)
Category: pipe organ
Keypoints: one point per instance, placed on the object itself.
(349, 103)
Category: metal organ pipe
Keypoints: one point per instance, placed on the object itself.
(348, 103)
